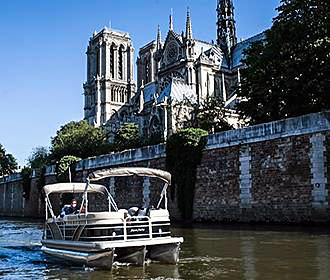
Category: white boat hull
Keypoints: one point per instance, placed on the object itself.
(103, 259)
(103, 254)
(166, 253)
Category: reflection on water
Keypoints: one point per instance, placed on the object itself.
(247, 253)
(221, 253)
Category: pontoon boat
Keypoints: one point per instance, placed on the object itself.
(97, 239)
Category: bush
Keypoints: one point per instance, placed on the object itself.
(65, 168)
(127, 137)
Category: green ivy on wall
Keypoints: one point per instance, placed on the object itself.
(183, 155)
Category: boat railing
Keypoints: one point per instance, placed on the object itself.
(105, 226)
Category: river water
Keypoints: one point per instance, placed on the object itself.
(207, 253)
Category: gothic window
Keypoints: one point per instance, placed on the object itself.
(155, 127)
(117, 95)
(88, 67)
(126, 96)
(120, 63)
(217, 89)
(112, 94)
(190, 76)
(98, 62)
(112, 61)
(147, 71)
(122, 96)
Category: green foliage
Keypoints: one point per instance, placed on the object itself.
(8, 163)
(183, 154)
(65, 168)
(127, 137)
(79, 139)
(287, 73)
(209, 115)
(26, 173)
(38, 158)
(41, 181)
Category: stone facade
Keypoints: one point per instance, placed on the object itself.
(275, 172)
(110, 84)
(172, 74)
(270, 173)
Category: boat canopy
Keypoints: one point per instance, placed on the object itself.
(73, 188)
(130, 171)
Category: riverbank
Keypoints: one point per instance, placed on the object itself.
(272, 173)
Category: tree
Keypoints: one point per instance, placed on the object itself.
(79, 139)
(209, 115)
(288, 72)
(127, 137)
(8, 163)
(38, 158)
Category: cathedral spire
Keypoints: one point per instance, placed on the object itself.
(226, 29)
(171, 20)
(159, 38)
(188, 26)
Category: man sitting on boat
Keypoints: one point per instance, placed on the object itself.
(70, 209)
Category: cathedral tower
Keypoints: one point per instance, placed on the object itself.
(109, 84)
(226, 29)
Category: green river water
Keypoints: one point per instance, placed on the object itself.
(208, 252)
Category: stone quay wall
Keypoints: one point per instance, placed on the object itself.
(276, 172)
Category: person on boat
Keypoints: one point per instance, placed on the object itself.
(70, 209)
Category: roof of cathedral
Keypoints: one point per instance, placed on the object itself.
(177, 36)
(205, 42)
(148, 45)
(241, 46)
(149, 92)
(201, 47)
(111, 31)
(177, 91)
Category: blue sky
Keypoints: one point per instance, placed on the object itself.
(43, 61)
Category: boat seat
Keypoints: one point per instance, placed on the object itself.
(159, 213)
(105, 215)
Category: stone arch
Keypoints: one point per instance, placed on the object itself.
(121, 62)
(124, 115)
(122, 95)
(98, 64)
(113, 48)
(155, 123)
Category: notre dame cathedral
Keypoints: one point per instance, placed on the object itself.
(180, 68)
